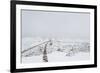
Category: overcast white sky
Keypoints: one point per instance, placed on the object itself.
(55, 24)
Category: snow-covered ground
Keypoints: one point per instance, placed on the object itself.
(61, 50)
(57, 57)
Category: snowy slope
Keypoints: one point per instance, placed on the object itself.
(60, 51)
(57, 57)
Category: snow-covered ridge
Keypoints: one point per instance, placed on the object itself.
(58, 50)
(68, 46)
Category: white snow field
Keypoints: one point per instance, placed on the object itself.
(62, 50)
(57, 57)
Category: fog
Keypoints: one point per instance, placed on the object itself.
(55, 24)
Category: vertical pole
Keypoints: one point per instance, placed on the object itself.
(45, 58)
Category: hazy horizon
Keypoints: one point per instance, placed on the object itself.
(55, 24)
